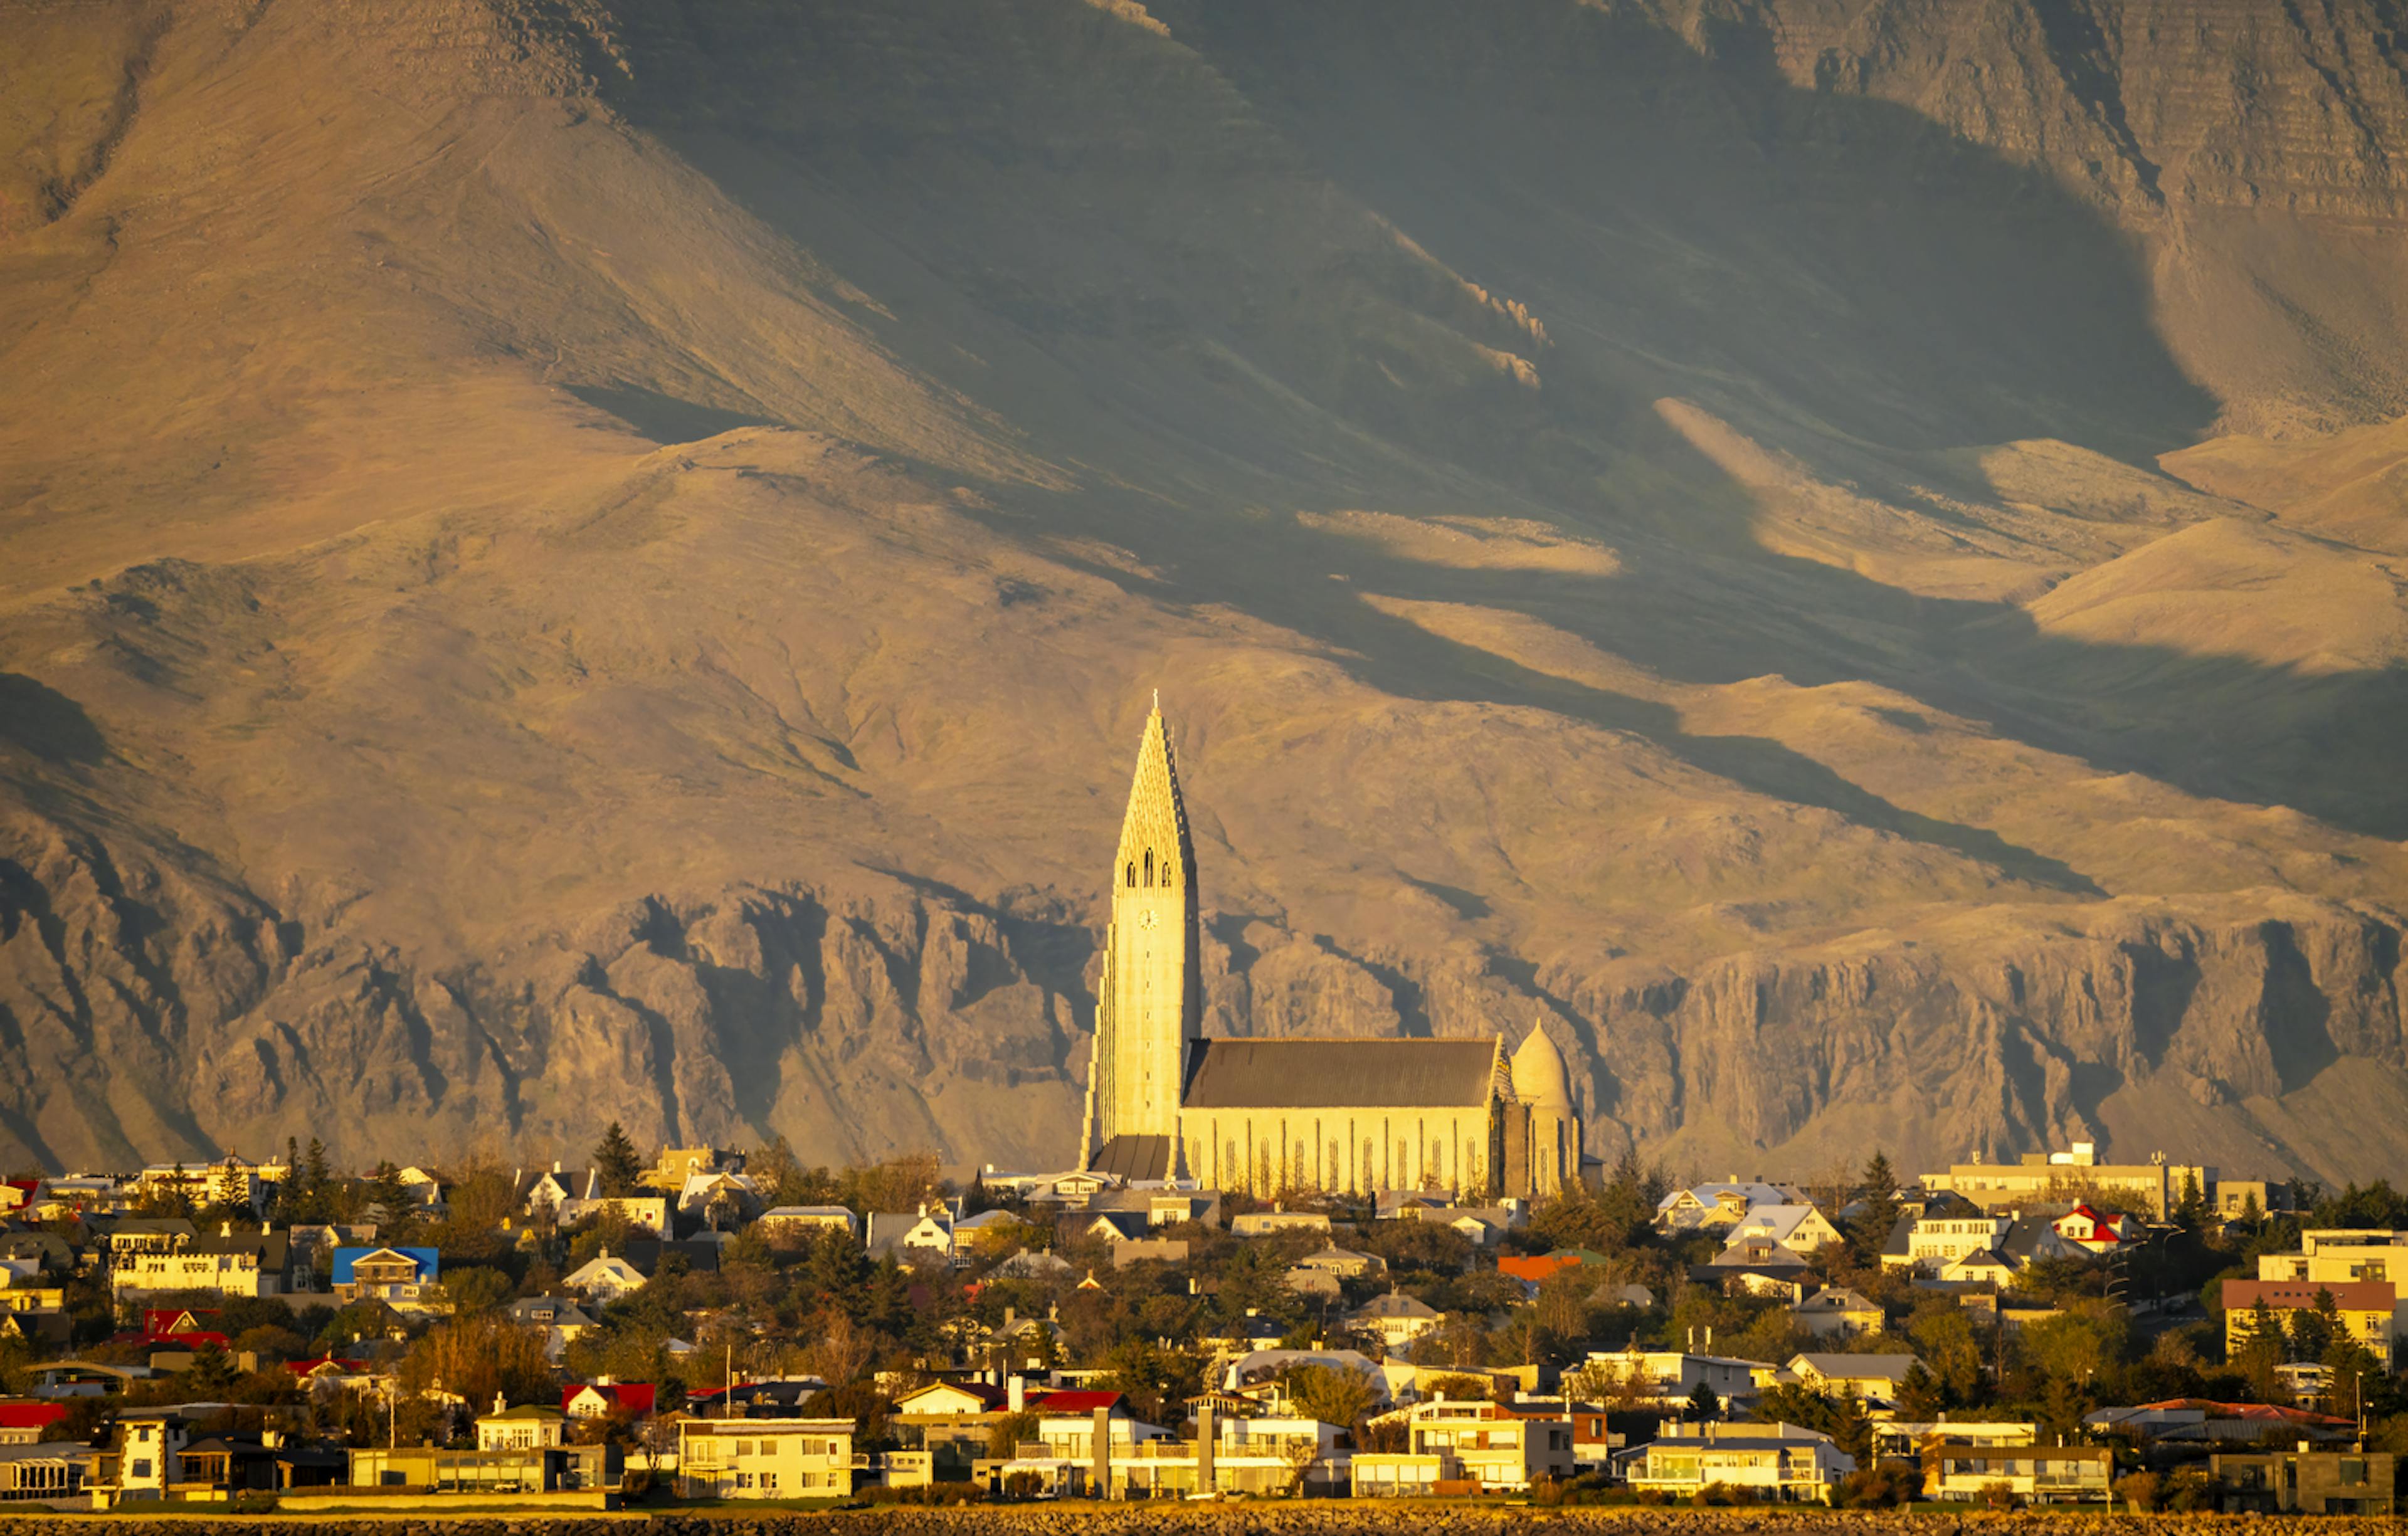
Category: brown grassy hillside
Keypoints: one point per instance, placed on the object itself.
(568, 561)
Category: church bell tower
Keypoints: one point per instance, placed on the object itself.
(1150, 1000)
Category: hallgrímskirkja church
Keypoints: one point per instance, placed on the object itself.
(1164, 1102)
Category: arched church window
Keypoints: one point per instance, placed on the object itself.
(1132, 874)
(1148, 866)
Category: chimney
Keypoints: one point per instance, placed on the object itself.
(604, 1380)
(1016, 1394)
(1204, 1448)
(1100, 1477)
(225, 1229)
(555, 1165)
(265, 1230)
(499, 1403)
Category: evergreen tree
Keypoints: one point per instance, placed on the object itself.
(317, 1183)
(1877, 1211)
(386, 1189)
(616, 1161)
(210, 1374)
(1704, 1407)
(1921, 1398)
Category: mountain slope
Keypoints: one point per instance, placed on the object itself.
(571, 562)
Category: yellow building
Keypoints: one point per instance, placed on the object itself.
(2065, 1178)
(1266, 1115)
(764, 1457)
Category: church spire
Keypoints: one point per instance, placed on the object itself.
(1150, 1000)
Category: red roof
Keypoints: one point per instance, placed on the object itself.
(1535, 1268)
(2291, 1295)
(2268, 1412)
(31, 1415)
(304, 1368)
(160, 1322)
(1064, 1403)
(626, 1396)
(171, 1341)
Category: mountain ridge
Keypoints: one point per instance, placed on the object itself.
(640, 539)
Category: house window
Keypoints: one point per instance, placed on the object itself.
(2353, 1472)
(743, 1480)
(768, 1480)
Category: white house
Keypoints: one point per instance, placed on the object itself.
(605, 1277)
(1397, 1319)
(903, 1234)
(1799, 1230)
(530, 1425)
(1723, 1204)
(1931, 1244)
(1789, 1463)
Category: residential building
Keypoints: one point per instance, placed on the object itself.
(530, 1425)
(1662, 1377)
(2094, 1231)
(1483, 1447)
(1838, 1312)
(2061, 1178)
(1906, 1439)
(1264, 1223)
(1395, 1319)
(2236, 1199)
(606, 1278)
(1781, 1460)
(399, 1278)
(1872, 1378)
(928, 1233)
(639, 1213)
(1959, 1469)
(561, 1321)
(2304, 1482)
(677, 1164)
(764, 1457)
(2329, 1255)
(1799, 1230)
(719, 1199)
(2199, 1421)
(791, 1226)
(52, 1473)
(535, 1468)
(232, 1263)
(2368, 1310)
(25, 1423)
(1931, 1244)
(1722, 1205)
(540, 1194)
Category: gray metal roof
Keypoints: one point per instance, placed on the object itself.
(1341, 1074)
(1133, 1157)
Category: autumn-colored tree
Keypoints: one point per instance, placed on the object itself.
(479, 1356)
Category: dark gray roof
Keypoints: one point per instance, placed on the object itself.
(1133, 1157)
(1341, 1074)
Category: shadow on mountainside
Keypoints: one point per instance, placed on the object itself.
(1074, 205)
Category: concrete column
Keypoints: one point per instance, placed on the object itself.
(1100, 1461)
(1205, 1429)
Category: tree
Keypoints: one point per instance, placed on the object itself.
(616, 1162)
(1868, 1229)
(481, 1357)
(1921, 1396)
(1009, 1432)
(210, 1376)
(1331, 1394)
(1704, 1406)
(2314, 1328)
(386, 1190)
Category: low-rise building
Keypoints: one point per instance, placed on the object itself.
(233, 1263)
(2329, 1482)
(1872, 1379)
(605, 1277)
(1962, 1469)
(1395, 1319)
(1471, 1447)
(1838, 1312)
(1264, 1223)
(2331, 1254)
(2368, 1310)
(1709, 1206)
(530, 1425)
(399, 1278)
(1663, 1377)
(1781, 1461)
(2060, 1178)
(791, 1226)
(764, 1457)
(1799, 1229)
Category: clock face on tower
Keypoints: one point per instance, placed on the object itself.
(1147, 920)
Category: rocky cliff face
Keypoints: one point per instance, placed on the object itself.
(575, 561)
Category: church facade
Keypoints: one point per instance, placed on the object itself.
(1265, 1116)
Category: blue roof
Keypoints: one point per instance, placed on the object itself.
(428, 1261)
